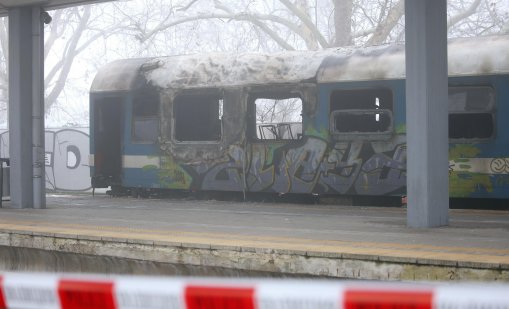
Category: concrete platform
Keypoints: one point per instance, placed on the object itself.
(281, 239)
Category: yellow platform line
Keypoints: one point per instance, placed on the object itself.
(148, 234)
(412, 251)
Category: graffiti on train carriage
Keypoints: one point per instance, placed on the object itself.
(331, 122)
(66, 158)
(354, 167)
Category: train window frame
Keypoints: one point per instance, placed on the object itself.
(382, 105)
(144, 114)
(206, 95)
(280, 131)
(456, 110)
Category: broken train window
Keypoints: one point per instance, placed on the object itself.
(471, 112)
(361, 111)
(145, 118)
(198, 116)
(278, 116)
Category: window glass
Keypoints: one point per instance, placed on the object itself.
(278, 117)
(462, 99)
(145, 106)
(145, 123)
(471, 112)
(361, 111)
(145, 129)
(198, 117)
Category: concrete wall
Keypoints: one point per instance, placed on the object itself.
(31, 251)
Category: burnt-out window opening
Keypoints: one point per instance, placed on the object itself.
(145, 124)
(278, 117)
(198, 117)
(471, 112)
(361, 111)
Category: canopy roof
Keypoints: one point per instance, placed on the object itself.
(46, 4)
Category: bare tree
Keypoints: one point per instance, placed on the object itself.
(343, 10)
(70, 33)
(291, 24)
(278, 110)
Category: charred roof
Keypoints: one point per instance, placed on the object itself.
(469, 56)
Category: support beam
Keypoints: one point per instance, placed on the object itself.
(427, 113)
(25, 92)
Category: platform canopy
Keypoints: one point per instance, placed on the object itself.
(46, 4)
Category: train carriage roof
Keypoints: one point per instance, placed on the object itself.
(466, 56)
(210, 70)
(469, 56)
(119, 75)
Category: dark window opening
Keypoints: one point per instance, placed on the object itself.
(278, 117)
(361, 99)
(145, 117)
(362, 121)
(198, 117)
(478, 125)
(361, 111)
(471, 112)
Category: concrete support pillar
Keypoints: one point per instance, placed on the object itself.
(26, 92)
(427, 113)
(38, 141)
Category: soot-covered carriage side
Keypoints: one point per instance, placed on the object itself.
(329, 122)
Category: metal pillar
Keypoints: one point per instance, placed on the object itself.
(427, 113)
(26, 98)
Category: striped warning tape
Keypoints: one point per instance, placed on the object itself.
(47, 291)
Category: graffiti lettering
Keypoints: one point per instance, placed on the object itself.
(178, 176)
(65, 158)
(306, 167)
(228, 175)
(500, 165)
(261, 171)
(297, 168)
(382, 174)
(340, 170)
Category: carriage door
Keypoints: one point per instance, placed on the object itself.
(107, 141)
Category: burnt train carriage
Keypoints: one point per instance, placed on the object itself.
(328, 122)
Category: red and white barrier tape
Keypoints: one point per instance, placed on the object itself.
(46, 291)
